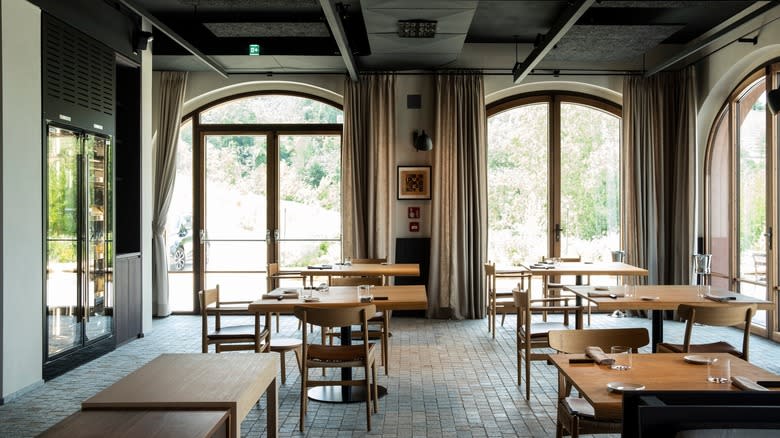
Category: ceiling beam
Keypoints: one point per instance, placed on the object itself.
(202, 57)
(747, 14)
(337, 28)
(548, 41)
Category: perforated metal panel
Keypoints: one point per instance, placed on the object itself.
(78, 70)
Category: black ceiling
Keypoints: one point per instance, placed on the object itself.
(297, 36)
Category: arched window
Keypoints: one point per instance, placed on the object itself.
(553, 178)
(738, 183)
(258, 181)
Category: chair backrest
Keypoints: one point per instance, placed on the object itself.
(490, 279)
(355, 281)
(206, 298)
(522, 297)
(273, 270)
(718, 315)
(369, 261)
(335, 317)
(575, 341)
(571, 259)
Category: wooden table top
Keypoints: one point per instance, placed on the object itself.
(588, 268)
(412, 297)
(193, 381)
(669, 297)
(368, 269)
(658, 371)
(140, 423)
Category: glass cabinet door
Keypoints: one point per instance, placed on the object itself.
(62, 243)
(98, 297)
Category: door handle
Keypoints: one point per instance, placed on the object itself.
(558, 231)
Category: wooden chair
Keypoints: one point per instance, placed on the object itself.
(379, 323)
(715, 315)
(555, 289)
(533, 335)
(273, 275)
(575, 415)
(500, 301)
(231, 337)
(338, 356)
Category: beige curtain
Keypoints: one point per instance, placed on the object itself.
(659, 140)
(368, 166)
(459, 175)
(172, 86)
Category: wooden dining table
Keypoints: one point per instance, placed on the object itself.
(383, 270)
(233, 382)
(411, 297)
(656, 371)
(656, 299)
(580, 269)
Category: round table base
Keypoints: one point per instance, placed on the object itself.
(342, 394)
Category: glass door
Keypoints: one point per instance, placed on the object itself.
(63, 288)
(235, 235)
(589, 215)
(309, 207)
(751, 188)
(79, 248)
(98, 302)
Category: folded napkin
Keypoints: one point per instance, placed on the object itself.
(542, 266)
(285, 294)
(319, 267)
(598, 355)
(723, 299)
(746, 384)
(605, 294)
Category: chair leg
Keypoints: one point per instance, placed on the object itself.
(304, 379)
(277, 323)
(376, 389)
(527, 376)
(575, 426)
(282, 367)
(368, 397)
(503, 317)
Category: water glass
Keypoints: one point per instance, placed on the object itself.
(628, 290)
(702, 290)
(306, 293)
(719, 370)
(364, 293)
(622, 357)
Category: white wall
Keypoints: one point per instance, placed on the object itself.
(147, 177)
(22, 198)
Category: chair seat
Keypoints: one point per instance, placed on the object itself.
(715, 347)
(540, 329)
(579, 406)
(235, 331)
(339, 356)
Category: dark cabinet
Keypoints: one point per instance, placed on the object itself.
(127, 284)
(413, 250)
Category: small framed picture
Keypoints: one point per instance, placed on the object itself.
(414, 182)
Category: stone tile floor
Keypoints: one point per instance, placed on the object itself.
(447, 379)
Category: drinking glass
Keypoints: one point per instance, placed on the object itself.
(719, 370)
(622, 357)
(364, 293)
(702, 290)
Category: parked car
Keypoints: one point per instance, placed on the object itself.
(180, 250)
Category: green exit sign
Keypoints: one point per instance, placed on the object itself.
(254, 50)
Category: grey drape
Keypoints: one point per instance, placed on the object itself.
(459, 175)
(172, 85)
(659, 137)
(368, 164)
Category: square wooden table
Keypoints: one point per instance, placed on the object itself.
(140, 423)
(233, 382)
(383, 270)
(412, 297)
(668, 298)
(657, 371)
(579, 269)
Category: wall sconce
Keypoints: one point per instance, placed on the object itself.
(422, 142)
(773, 101)
(141, 41)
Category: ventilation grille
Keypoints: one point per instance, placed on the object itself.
(79, 70)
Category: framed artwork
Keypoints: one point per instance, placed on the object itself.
(414, 182)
